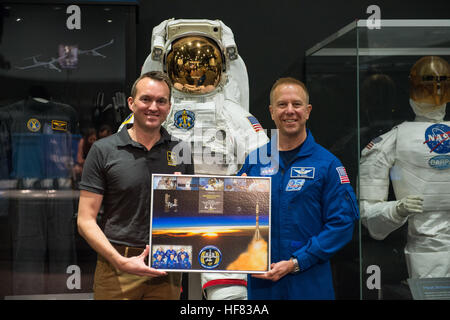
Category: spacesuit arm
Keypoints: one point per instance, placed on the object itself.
(247, 132)
(237, 88)
(377, 214)
(154, 61)
(159, 35)
(380, 217)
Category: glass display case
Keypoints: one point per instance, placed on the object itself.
(379, 99)
(64, 70)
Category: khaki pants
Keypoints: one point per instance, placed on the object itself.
(112, 284)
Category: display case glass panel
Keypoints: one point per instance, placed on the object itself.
(381, 94)
(64, 70)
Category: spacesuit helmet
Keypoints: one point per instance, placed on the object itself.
(194, 64)
(430, 81)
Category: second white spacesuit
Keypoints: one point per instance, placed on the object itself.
(210, 105)
(415, 157)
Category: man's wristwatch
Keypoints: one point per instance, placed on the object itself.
(296, 266)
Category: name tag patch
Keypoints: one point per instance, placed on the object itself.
(295, 184)
(59, 125)
(303, 172)
(171, 159)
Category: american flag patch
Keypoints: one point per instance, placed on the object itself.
(372, 143)
(369, 145)
(343, 175)
(255, 123)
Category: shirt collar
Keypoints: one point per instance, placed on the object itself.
(125, 138)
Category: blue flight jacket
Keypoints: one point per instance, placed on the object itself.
(313, 211)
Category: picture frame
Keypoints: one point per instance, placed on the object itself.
(207, 223)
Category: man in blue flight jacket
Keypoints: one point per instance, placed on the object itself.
(313, 204)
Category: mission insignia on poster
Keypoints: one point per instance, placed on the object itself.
(205, 223)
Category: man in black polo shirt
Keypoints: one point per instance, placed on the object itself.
(117, 174)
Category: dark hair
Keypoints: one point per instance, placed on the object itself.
(155, 75)
(86, 145)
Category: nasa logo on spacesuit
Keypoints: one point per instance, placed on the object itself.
(437, 138)
(184, 119)
(268, 171)
(33, 125)
(210, 257)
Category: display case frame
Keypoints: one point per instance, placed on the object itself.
(337, 71)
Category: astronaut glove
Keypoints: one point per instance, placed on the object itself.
(119, 100)
(409, 205)
(120, 106)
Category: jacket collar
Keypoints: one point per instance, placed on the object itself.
(306, 149)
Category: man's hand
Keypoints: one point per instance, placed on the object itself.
(136, 265)
(409, 205)
(277, 271)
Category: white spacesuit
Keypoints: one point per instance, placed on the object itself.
(415, 156)
(210, 106)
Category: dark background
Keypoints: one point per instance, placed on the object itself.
(271, 36)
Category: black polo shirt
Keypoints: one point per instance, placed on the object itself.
(121, 169)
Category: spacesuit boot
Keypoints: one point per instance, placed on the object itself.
(415, 156)
(210, 109)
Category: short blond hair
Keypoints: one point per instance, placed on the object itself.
(288, 80)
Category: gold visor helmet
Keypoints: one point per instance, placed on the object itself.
(194, 64)
(430, 81)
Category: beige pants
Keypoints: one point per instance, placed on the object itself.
(112, 284)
